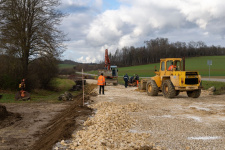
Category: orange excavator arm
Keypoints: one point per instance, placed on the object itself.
(107, 61)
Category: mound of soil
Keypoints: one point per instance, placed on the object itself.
(8, 118)
(3, 112)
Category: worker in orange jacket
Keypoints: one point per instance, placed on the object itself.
(171, 66)
(101, 83)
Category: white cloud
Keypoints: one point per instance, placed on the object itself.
(87, 59)
(98, 3)
(135, 21)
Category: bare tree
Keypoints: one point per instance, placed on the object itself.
(161, 48)
(28, 30)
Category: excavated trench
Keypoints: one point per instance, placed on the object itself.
(62, 126)
(38, 126)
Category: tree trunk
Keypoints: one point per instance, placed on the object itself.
(25, 60)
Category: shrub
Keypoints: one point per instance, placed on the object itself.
(40, 72)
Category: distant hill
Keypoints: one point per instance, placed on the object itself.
(71, 62)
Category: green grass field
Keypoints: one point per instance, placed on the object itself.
(60, 86)
(192, 64)
(65, 66)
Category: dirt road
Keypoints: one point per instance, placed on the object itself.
(21, 132)
(129, 119)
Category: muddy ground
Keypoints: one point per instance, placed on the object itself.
(39, 126)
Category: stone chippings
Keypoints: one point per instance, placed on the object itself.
(109, 129)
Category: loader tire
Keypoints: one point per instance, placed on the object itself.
(141, 86)
(152, 88)
(168, 89)
(194, 94)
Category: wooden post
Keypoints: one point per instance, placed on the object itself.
(83, 85)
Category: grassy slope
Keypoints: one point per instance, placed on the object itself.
(200, 64)
(60, 86)
(192, 64)
(65, 66)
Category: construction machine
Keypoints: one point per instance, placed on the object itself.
(109, 72)
(171, 79)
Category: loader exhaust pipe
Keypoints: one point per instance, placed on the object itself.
(183, 63)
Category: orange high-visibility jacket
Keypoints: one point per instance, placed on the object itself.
(171, 67)
(101, 80)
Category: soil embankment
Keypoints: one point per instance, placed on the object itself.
(3, 112)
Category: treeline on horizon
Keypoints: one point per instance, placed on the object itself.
(158, 48)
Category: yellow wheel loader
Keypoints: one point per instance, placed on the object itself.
(171, 79)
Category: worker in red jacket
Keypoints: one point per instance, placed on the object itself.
(101, 83)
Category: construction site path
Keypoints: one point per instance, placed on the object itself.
(127, 118)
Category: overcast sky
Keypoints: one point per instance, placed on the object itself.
(94, 25)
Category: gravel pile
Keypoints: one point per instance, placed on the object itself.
(130, 119)
(110, 128)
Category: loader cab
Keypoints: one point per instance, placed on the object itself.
(175, 63)
(114, 70)
(165, 65)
